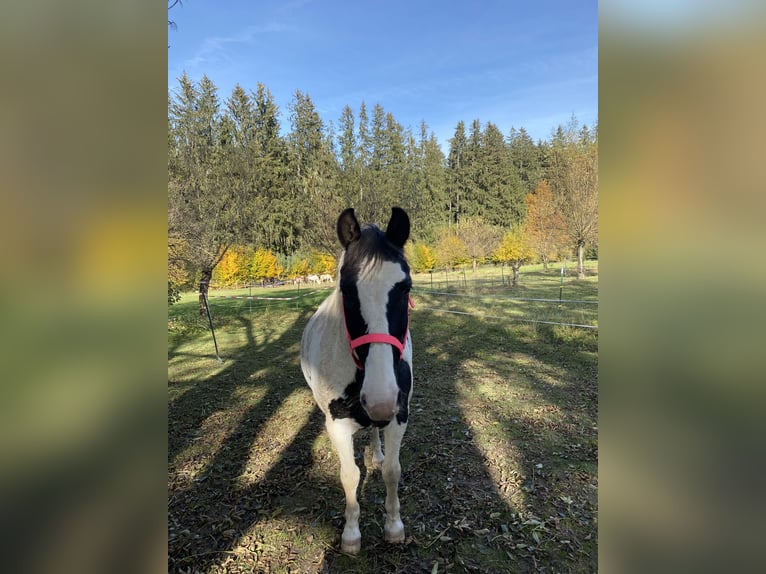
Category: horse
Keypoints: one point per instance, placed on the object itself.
(356, 355)
(325, 278)
(314, 279)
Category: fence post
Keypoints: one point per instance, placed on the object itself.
(561, 285)
(210, 320)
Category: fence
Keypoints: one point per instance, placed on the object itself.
(483, 296)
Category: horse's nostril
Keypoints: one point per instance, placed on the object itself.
(364, 401)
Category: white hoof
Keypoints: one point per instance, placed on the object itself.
(351, 545)
(394, 532)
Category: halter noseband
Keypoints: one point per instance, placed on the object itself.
(375, 337)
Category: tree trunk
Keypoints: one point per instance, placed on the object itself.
(515, 275)
(545, 263)
(580, 261)
(204, 284)
(474, 265)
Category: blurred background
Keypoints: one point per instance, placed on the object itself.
(682, 239)
(82, 336)
(83, 331)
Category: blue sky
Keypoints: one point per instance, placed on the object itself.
(516, 63)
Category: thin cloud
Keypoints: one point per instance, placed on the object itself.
(217, 49)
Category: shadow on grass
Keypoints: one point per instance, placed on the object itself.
(464, 504)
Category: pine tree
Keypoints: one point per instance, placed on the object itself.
(526, 158)
(312, 200)
(499, 191)
(433, 181)
(458, 176)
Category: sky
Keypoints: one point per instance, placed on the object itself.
(515, 63)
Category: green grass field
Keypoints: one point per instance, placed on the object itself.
(499, 463)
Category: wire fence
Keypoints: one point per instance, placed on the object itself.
(490, 307)
(483, 297)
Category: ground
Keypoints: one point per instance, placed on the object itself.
(499, 463)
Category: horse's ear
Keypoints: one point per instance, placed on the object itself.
(398, 230)
(348, 227)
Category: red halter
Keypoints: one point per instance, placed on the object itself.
(375, 337)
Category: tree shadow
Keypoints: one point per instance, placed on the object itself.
(456, 507)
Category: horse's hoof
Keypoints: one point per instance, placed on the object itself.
(351, 546)
(394, 533)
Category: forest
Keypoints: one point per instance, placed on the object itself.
(250, 200)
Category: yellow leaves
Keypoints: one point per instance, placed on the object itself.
(514, 248)
(300, 268)
(450, 251)
(241, 264)
(229, 270)
(322, 263)
(264, 264)
(420, 256)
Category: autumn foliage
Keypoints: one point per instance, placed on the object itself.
(514, 250)
(421, 257)
(450, 250)
(545, 228)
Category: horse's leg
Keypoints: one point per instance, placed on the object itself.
(377, 453)
(342, 439)
(392, 470)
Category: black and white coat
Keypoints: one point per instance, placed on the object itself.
(371, 296)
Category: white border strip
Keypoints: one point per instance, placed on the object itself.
(427, 292)
(268, 298)
(484, 316)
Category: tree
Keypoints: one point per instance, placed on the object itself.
(499, 191)
(479, 238)
(270, 199)
(432, 182)
(420, 257)
(204, 202)
(178, 274)
(458, 176)
(322, 262)
(450, 250)
(572, 166)
(348, 151)
(233, 268)
(514, 251)
(544, 227)
(526, 158)
(579, 203)
(264, 264)
(171, 23)
(299, 268)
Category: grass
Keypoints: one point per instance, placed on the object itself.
(499, 463)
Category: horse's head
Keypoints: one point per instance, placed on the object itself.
(375, 284)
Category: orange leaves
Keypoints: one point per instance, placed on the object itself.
(545, 227)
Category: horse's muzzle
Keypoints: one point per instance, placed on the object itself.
(382, 411)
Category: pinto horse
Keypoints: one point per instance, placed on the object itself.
(356, 355)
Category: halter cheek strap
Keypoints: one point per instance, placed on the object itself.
(376, 337)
